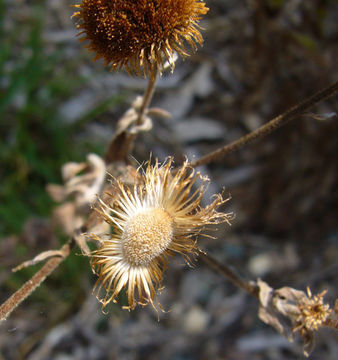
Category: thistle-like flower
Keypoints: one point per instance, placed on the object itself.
(140, 34)
(161, 215)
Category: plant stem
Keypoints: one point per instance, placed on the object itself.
(269, 127)
(26, 289)
(148, 95)
(230, 274)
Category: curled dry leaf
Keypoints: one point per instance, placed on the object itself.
(146, 125)
(82, 182)
(41, 257)
(56, 192)
(135, 120)
(289, 311)
(158, 112)
(128, 122)
(65, 217)
(71, 169)
(84, 187)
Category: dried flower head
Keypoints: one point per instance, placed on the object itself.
(158, 217)
(290, 311)
(140, 33)
(313, 312)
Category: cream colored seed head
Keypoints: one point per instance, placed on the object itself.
(146, 235)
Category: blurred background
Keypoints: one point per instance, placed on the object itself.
(259, 58)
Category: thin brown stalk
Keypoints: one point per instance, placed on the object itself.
(268, 128)
(148, 95)
(230, 274)
(20, 295)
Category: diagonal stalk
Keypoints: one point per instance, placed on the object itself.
(148, 95)
(26, 289)
(230, 274)
(268, 128)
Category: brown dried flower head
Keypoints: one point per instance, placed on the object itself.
(140, 34)
(313, 312)
(151, 221)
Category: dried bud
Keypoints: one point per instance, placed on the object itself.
(158, 217)
(313, 312)
(140, 35)
(290, 311)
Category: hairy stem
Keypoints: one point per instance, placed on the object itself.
(269, 127)
(230, 274)
(20, 295)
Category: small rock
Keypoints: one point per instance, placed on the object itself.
(196, 320)
(198, 129)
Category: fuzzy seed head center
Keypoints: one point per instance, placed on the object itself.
(147, 235)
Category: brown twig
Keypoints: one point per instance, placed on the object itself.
(269, 127)
(230, 274)
(20, 295)
(148, 95)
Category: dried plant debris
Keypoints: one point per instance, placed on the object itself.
(259, 58)
(82, 183)
(128, 122)
(292, 311)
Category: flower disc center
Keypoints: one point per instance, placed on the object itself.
(147, 235)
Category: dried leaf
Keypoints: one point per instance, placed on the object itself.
(41, 257)
(158, 112)
(56, 192)
(65, 216)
